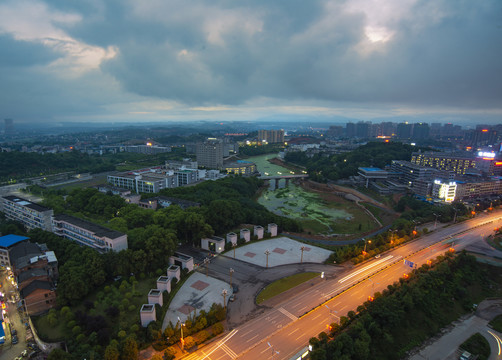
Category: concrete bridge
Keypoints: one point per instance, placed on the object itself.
(277, 178)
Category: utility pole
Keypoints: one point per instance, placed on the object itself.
(231, 272)
(206, 263)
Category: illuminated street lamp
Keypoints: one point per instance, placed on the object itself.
(234, 246)
(365, 243)
(181, 327)
(273, 351)
(267, 252)
(392, 235)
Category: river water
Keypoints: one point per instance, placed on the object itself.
(315, 214)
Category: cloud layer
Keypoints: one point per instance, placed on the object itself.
(160, 59)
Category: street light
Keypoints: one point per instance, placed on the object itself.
(231, 272)
(224, 294)
(234, 246)
(365, 243)
(181, 327)
(206, 263)
(267, 252)
(392, 235)
(435, 221)
(273, 351)
(302, 249)
(333, 312)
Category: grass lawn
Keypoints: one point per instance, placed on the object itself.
(284, 284)
(477, 345)
(497, 323)
(46, 331)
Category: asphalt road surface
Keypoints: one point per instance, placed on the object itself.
(282, 331)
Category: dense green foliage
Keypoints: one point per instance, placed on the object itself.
(497, 323)
(254, 150)
(322, 168)
(477, 345)
(229, 202)
(406, 313)
(421, 211)
(18, 165)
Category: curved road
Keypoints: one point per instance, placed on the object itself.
(286, 328)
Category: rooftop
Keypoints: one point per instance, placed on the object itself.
(9, 240)
(26, 203)
(370, 169)
(98, 230)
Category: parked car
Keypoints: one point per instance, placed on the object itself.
(231, 298)
(14, 339)
(24, 353)
(235, 288)
(13, 332)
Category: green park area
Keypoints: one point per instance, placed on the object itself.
(317, 215)
(284, 284)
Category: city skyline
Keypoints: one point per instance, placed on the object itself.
(318, 61)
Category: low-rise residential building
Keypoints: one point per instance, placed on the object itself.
(30, 214)
(164, 201)
(147, 149)
(7, 242)
(240, 167)
(150, 180)
(187, 176)
(39, 296)
(88, 233)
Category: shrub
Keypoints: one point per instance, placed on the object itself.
(189, 342)
(169, 353)
(217, 328)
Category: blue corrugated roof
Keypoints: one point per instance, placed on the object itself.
(371, 169)
(9, 240)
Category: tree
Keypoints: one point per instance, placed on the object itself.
(129, 349)
(111, 352)
(59, 354)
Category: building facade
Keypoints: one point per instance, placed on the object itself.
(459, 164)
(210, 153)
(89, 234)
(240, 167)
(29, 213)
(144, 181)
(271, 136)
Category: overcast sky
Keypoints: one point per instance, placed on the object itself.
(120, 60)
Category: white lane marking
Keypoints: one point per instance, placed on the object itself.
(295, 330)
(221, 342)
(365, 268)
(317, 316)
(228, 351)
(287, 313)
(254, 337)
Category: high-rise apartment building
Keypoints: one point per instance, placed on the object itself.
(271, 136)
(210, 153)
(458, 164)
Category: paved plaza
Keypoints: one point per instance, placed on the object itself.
(199, 292)
(282, 251)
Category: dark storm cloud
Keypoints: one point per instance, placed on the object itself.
(87, 57)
